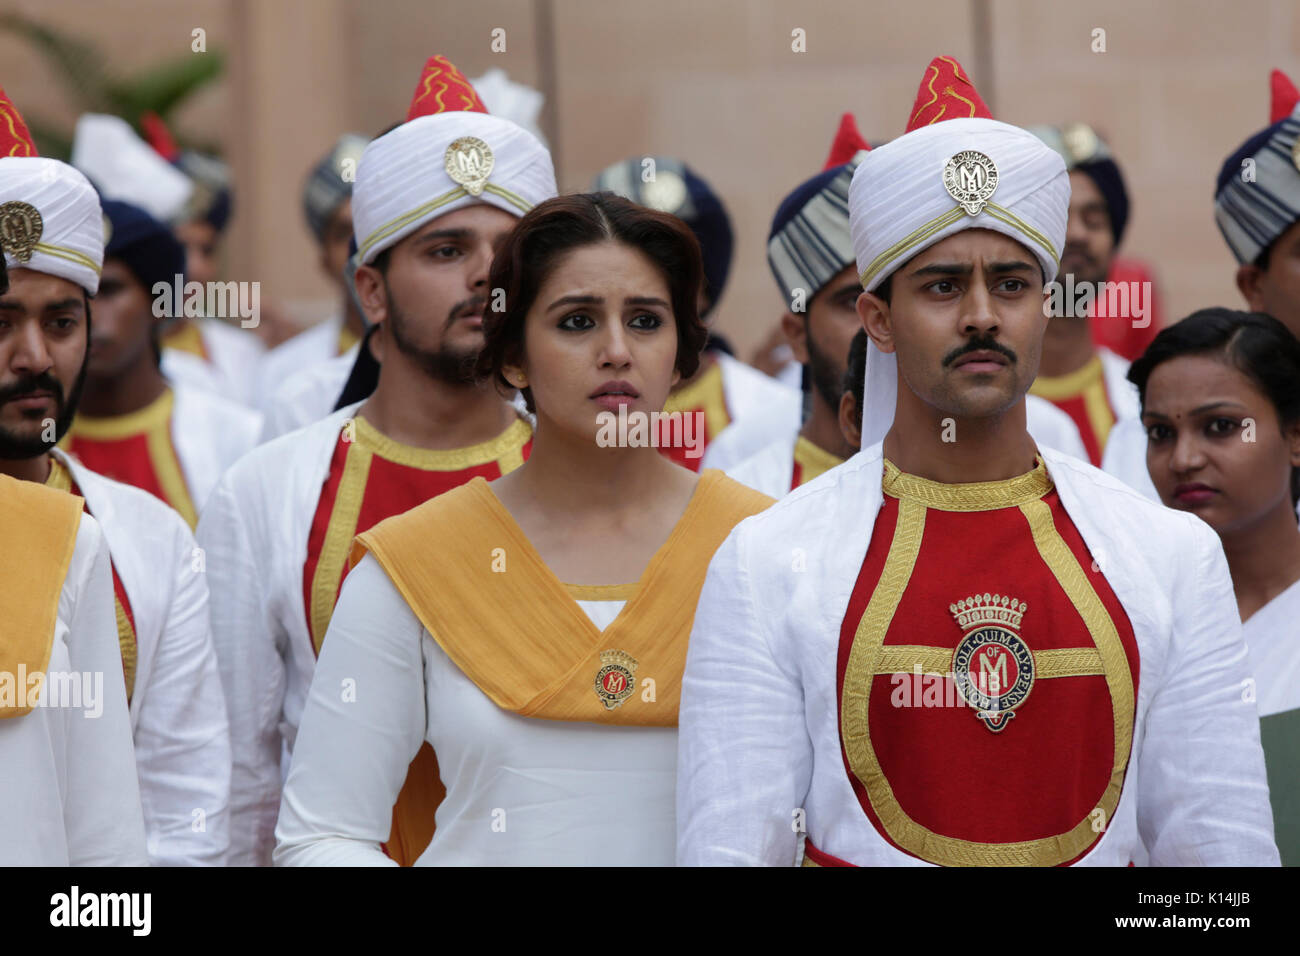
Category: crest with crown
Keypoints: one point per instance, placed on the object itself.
(614, 681)
(981, 609)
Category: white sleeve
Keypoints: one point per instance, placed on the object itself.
(182, 738)
(101, 810)
(1053, 428)
(1202, 792)
(364, 722)
(744, 759)
(249, 651)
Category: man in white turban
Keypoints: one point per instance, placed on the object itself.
(958, 648)
(431, 200)
(68, 789)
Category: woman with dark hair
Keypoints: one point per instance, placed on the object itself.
(534, 630)
(1221, 404)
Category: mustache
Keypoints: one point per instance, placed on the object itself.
(45, 382)
(982, 344)
(477, 304)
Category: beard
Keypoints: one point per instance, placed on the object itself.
(448, 365)
(1077, 260)
(17, 447)
(827, 376)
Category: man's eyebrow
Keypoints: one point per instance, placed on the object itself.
(1011, 265)
(944, 269)
(69, 303)
(444, 234)
(575, 300)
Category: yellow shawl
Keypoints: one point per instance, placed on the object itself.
(486, 596)
(38, 532)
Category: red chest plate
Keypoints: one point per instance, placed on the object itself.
(987, 678)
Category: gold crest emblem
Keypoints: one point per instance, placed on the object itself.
(970, 178)
(992, 666)
(615, 682)
(469, 162)
(20, 229)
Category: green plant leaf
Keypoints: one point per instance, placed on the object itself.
(161, 88)
(78, 65)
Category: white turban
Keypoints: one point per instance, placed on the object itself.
(900, 205)
(126, 168)
(403, 180)
(50, 220)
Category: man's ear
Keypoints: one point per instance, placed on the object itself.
(796, 333)
(1250, 281)
(849, 419)
(372, 294)
(874, 313)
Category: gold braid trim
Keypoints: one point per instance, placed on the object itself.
(971, 496)
(1057, 662)
(867, 657)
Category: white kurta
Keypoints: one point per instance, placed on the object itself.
(755, 750)
(520, 791)
(68, 791)
(752, 395)
(231, 369)
(1273, 636)
(310, 347)
(1050, 427)
(210, 434)
(1125, 456)
(1123, 394)
(770, 469)
(254, 534)
(178, 714)
(307, 396)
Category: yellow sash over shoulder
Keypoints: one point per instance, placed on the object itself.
(38, 532)
(479, 587)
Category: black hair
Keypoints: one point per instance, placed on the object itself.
(1257, 345)
(856, 373)
(885, 290)
(557, 226)
(1263, 259)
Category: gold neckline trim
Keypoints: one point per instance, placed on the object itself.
(515, 436)
(969, 496)
(59, 478)
(1058, 388)
(153, 416)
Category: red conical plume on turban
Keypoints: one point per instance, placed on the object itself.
(848, 142)
(1284, 96)
(15, 140)
(946, 93)
(159, 136)
(443, 89)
